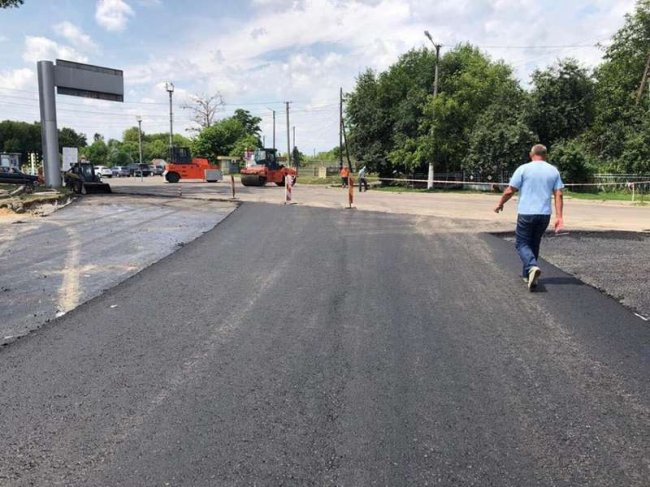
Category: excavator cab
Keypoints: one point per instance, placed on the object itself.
(81, 179)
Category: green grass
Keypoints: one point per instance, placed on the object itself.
(317, 180)
(607, 196)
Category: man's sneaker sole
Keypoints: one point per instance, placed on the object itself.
(533, 276)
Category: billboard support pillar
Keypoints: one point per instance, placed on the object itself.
(49, 132)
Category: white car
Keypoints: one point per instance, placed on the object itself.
(103, 171)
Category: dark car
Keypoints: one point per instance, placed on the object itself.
(121, 172)
(139, 169)
(14, 176)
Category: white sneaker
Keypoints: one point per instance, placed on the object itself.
(533, 276)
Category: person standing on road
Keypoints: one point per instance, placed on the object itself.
(345, 174)
(536, 181)
(362, 179)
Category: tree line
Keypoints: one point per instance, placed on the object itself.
(483, 122)
(230, 136)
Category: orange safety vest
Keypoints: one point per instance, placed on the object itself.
(345, 172)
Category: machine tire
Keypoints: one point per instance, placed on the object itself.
(173, 177)
(78, 187)
(252, 180)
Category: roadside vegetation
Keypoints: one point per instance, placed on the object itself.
(483, 121)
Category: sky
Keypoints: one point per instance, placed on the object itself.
(259, 54)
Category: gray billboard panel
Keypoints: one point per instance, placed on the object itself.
(89, 81)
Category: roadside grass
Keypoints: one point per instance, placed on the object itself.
(607, 196)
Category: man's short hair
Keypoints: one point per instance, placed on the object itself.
(539, 150)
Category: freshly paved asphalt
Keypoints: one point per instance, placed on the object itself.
(306, 346)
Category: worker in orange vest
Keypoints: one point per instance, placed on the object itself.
(345, 174)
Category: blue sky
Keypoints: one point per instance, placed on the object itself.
(259, 53)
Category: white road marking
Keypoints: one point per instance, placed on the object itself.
(642, 317)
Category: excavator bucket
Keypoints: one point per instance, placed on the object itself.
(96, 188)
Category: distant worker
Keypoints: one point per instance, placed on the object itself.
(536, 181)
(345, 174)
(362, 179)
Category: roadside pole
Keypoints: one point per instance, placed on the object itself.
(350, 192)
(232, 186)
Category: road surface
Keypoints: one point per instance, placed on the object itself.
(308, 346)
(48, 266)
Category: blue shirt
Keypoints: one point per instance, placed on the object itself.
(536, 182)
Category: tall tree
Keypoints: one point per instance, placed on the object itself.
(250, 122)
(501, 138)
(10, 3)
(204, 108)
(617, 115)
(70, 138)
(469, 84)
(561, 102)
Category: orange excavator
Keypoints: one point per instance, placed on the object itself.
(266, 169)
(183, 166)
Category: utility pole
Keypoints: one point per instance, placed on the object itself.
(169, 86)
(644, 80)
(288, 136)
(139, 119)
(294, 135)
(430, 178)
(341, 129)
(273, 125)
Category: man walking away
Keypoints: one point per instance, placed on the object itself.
(536, 181)
(362, 179)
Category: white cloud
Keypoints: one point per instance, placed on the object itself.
(44, 49)
(17, 79)
(113, 15)
(75, 35)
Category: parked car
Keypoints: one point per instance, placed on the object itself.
(157, 170)
(139, 169)
(121, 172)
(103, 171)
(11, 175)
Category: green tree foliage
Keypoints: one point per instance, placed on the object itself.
(501, 139)
(470, 84)
(70, 138)
(618, 118)
(250, 123)
(20, 137)
(573, 160)
(230, 136)
(97, 152)
(562, 102)
(385, 110)
(10, 3)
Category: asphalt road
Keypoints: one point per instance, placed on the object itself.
(49, 266)
(307, 346)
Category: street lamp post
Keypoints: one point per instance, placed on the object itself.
(169, 86)
(139, 119)
(435, 94)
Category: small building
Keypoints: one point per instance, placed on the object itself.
(10, 159)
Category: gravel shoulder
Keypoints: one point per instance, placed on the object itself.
(616, 263)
